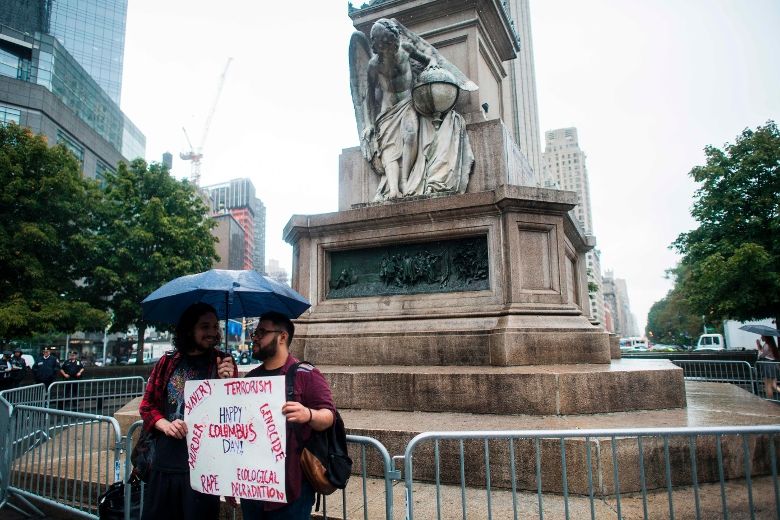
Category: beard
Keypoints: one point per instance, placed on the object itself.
(261, 354)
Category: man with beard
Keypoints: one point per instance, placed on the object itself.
(168, 493)
(313, 409)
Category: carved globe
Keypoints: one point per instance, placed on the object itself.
(435, 93)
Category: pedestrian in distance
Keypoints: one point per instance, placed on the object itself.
(6, 370)
(168, 494)
(72, 370)
(313, 409)
(46, 369)
(768, 353)
(20, 368)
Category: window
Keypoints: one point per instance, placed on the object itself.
(9, 115)
(71, 144)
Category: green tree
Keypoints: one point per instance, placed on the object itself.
(672, 320)
(153, 229)
(46, 224)
(733, 257)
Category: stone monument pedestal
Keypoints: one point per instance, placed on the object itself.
(434, 303)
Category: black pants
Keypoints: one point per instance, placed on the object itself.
(168, 496)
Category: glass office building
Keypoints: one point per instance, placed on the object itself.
(92, 31)
(39, 43)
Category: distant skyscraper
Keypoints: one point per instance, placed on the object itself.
(259, 250)
(564, 161)
(277, 272)
(628, 325)
(237, 196)
(61, 75)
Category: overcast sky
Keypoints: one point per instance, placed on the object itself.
(646, 83)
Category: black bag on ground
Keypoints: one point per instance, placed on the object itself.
(142, 456)
(324, 459)
(111, 504)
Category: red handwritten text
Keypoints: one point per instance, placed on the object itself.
(194, 447)
(248, 386)
(258, 476)
(239, 431)
(256, 492)
(209, 484)
(197, 397)
(271, 431)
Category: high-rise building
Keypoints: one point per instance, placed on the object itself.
(230, 242)
(277, 272)
(522, 78)
(49, 50)
(616, 299)
(564, 162)
(237, 196)
(259, 246)
(92, 31)
(629, 327)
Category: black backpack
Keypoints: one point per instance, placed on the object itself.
(324, 459)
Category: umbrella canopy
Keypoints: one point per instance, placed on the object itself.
(764, 330)
(234, 294)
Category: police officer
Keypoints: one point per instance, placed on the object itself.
(19, 366)
(5, 371)
(72, 369)
(45, 370)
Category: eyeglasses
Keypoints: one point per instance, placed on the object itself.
(259, 333)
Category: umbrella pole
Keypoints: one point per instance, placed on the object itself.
(227, 313)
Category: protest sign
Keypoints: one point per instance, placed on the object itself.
(236, 437)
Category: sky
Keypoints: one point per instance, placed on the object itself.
(647, 84)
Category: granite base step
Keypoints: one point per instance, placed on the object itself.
(622, 385)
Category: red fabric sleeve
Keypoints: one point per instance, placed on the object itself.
(151, 403)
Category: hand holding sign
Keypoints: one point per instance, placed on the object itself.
(236, 436)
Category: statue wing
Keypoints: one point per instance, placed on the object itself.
(359, 57)
(426, 49)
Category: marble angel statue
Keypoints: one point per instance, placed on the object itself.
(403, 91)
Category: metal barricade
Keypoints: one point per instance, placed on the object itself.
(633, 473)
(738, 373)
(767, 375)
(129, 442)
(357, 489)
(95, 396)
(370, 457)
(32, 395)
(64, 459)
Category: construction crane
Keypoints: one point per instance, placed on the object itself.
(195, 155)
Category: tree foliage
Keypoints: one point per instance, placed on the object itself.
(733, 257)
(672, 320)
(46, 220)
(153, 228)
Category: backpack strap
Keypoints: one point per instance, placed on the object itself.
(289, 381)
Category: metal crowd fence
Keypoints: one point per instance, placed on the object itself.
(95, 396)
(33, 395)
(738, 373)
(767, 375)
(61, 458)
(356, 498)
(626, 473)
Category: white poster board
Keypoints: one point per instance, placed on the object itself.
(236, 437)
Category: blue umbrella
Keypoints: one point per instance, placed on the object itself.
(234, 294)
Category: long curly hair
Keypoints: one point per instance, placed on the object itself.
(184, 334)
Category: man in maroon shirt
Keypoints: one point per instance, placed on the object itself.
(312, 409)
